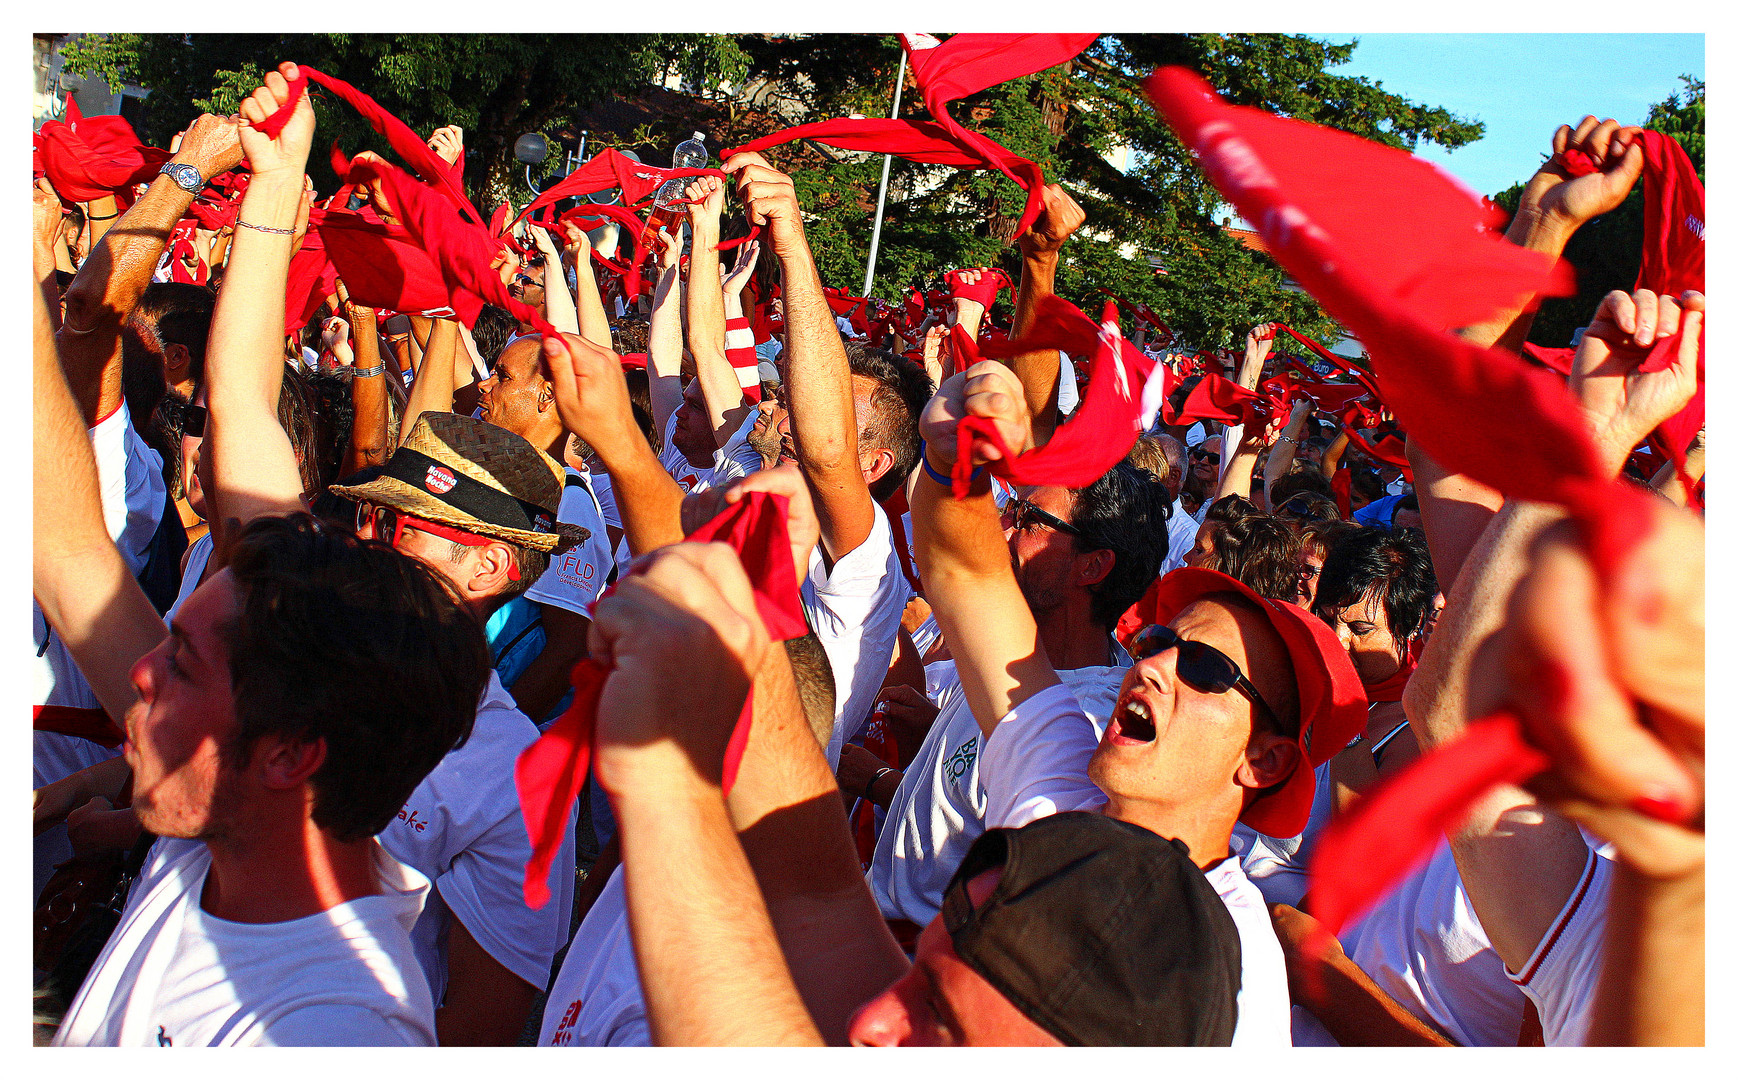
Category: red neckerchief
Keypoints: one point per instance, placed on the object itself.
(550, 771)
(1483, 412)
(1119, 405)
(1393, 686)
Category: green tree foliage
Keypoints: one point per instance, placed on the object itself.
(1154, 225)
(1606, 252)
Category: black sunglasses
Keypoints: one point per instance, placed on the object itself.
(1023, 515)
(1299, 507)
(1205, 455)
(1200, 665)
(193, 421)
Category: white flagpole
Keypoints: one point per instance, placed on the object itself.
(881, 199)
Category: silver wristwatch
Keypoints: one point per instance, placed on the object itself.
(186, 176)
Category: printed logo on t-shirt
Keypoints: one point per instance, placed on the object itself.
(576, 571)
(564, 1030)
(419, 824)
(961, 760)
(439, 480)
(163, 1038)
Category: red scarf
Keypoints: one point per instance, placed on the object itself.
(551, 770)
(89, 158)
(91, 724)
(1119, 404)
(1483, 412)
(990, 283)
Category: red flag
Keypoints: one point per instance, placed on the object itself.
(551, 770)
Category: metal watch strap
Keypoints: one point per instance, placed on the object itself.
(187, 177)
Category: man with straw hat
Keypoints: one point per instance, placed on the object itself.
(477, 504)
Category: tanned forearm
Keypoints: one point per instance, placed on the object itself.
(962, 557)
(785, 808)
(594, 323)
(664, 349)
(704, 943)
(823, 413)
(1039, 371)
(105, 291)
(368, 421)
(87, 593)
(726, 404)
(433, 390)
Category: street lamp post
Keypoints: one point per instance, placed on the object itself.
(881, 199)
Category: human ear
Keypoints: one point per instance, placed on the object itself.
(1269, 761)
(283, 764)
(1092, 567)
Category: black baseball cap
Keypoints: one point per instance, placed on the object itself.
(1100, 932)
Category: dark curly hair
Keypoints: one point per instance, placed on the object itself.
(348, 642)
(1125, 512)
(1390, 565)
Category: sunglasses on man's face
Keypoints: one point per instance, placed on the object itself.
(193, 421)
(1208, 456)
(1019, 514)
(1201, 666)
(389, 525)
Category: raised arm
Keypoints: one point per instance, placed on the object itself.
(818, 389)
(1554, 204)
(47, 243)
(558, 303)
(114, 275)
(87, 593)
(664, 336)
(433, 389)
(962, 554)
(726, 404)
(368, 427)
(1040, 253)
(253, 466)
(1519, 861)
(594, 323)
(1284, 450)
(703, 940)
(592, 397)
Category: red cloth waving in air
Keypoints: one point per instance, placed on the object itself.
(95, 156)
(990, 282)
(551, 770)
(1120, 403)
(1484, 412)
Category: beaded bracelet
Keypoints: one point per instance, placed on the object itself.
(265, 228)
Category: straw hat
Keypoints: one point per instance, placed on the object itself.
(463, 473)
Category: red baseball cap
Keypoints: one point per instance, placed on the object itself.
(1331, 705)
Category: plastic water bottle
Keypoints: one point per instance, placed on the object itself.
(690, 153)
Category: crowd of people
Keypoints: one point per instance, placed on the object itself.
(412, 674)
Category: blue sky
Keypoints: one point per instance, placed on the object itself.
(1522, 86)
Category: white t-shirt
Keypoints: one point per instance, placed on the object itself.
(1424, 946)
(1181, 530)
(1279, 867)
(576, 577)
(174, 975)
(855, 610)
(938, 810)
(596, 999)
(198, 556)
(1562, 975)
(732, 461)
(604, 489)
(463, 830)
(1036, 766)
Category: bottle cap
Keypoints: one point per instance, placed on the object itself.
(699, 137)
